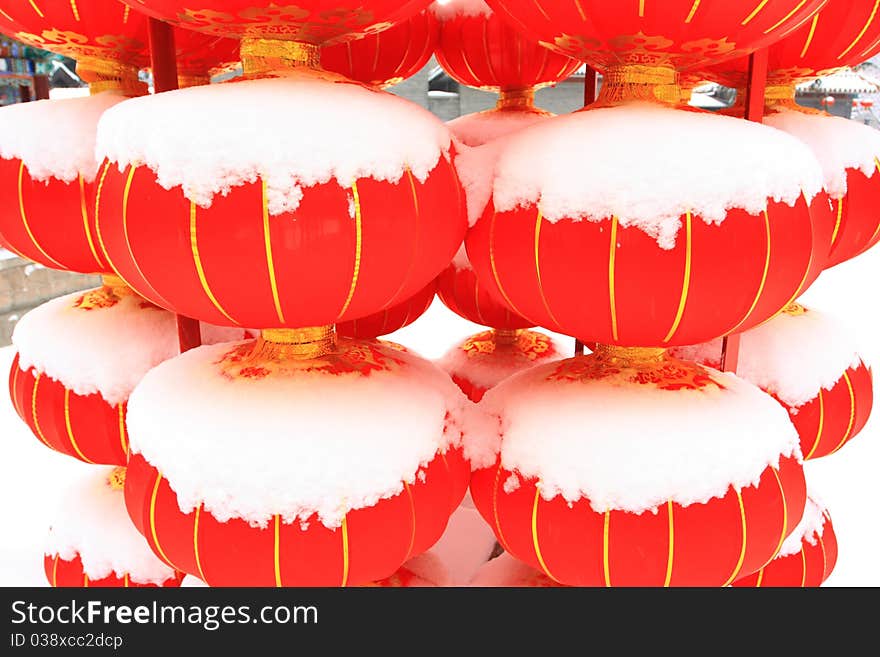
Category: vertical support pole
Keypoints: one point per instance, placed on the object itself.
(41, 87)
(578, 348)
(163, 61)
(757, 85)
(591, 86)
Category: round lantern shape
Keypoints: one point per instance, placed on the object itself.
(79, 357)
(366, 224)
(92, 542)
(701, 485)
(804, 359)
(391, 319)
(807, 557)
(366, 476)
(632, 247)
(484, 360)
(385, 58)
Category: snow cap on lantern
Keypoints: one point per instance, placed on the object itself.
(385, 58)
(357, 493)
(701, 485)
(80, 356)
(807, 557)
(806, 360)
(92, 542)
(629, 246)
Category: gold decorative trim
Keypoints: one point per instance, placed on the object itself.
(627, 356)
(116, 478)
(631, 82)
(300, 343)
(516, 99)
(110, 75)
(266, 55)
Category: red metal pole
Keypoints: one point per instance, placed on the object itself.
(591, 86)
(757, 85)
(163, 60)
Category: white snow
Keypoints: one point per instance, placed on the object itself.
(482, 127)
(488, 370)
(461, 261)
(449, 9)
(583, 440)
(295, 131)
(476, 171)
(92, 522)
(316, 442)
(839, 144)
(102, 350)
(809, 529)
(55, 138)
(791, 356)
(646, 164)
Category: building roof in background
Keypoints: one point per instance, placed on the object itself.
(842, 82)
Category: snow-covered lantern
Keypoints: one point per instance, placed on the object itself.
(80, 356)
(844, 33)
(353, 207)
(92, 543)
(479, 49)
(805, 360)
(807, 557)
(385, 58)
(628, 467)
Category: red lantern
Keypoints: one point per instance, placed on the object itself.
(866, 103)
(309, 21)
(199, 55)
(479, 49)
(91, 426)
(389, 320)
(93, 544)
(829, 399)
(807, 557)
(681, 34)
(533, 495)
(387, 57)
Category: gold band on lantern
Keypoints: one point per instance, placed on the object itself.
(266, 55)
(640, 82)
(116, 478)
(112, 290)
(109, 75)
(505, 337)
(794, 309)
(520, 99)
(628, 356)
(185, 81)
(299, 343)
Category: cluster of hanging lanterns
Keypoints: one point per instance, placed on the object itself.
(301, 211)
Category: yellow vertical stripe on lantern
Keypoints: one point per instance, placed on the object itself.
(810, 35)
(36, 9)
(493, 263)
(125, 580)
(787, 16)
(85, 581)
(34, 413)
(197, 261)
(358, 246)
(55, 572)
(671, 558)
(16, 368)
(862, 33)
(495, 510)
(535, 540)
(852, 413)
(345, 555)
(270, 263)
(764, 275)
(467, 64)
(755, 12)
(153, 521)
(760, 578)
(415, 254)
(277, 551)
(123, 439)
(606, 566)
(544, 13)
(742, 550)
(821, 427)
(824, 557)
(691, 15)
(784, 516)
(612, 263)
(125, 194)
(487, 53)
(580, 8)
(125, 14)
(836, 233)
(196, 542)
(686, 285)
(6, 16)
(477, 300)
(24, 220)
(98, 222)
(85, 217)
(803, 567)
(412, 510)
(641, 8)
(69, 428)
(74, 10)
(539, 221)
